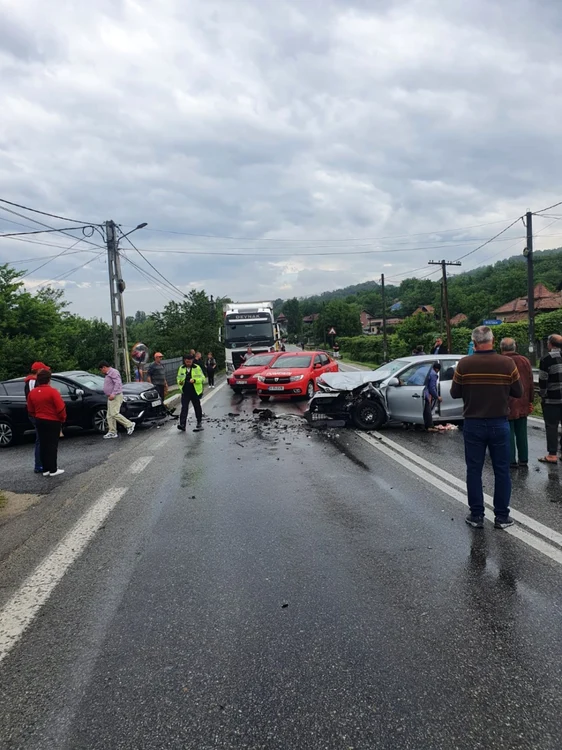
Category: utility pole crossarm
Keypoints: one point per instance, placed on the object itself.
(444, 264)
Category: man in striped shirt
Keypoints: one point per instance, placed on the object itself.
(485, 381)
(550, 384)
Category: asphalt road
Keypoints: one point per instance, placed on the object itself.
(259, 585)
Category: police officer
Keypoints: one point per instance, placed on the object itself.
(190, 381)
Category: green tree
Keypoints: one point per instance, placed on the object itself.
(292, 310)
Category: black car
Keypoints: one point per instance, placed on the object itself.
(86, 404)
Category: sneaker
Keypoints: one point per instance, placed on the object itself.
(181, 427)
(57, 473)
(110, 435)
(46, 473)
(199, 427)
(503, 522)
(477, 522)
(131, 429)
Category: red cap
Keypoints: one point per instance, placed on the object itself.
(158, 354)
(36, 366)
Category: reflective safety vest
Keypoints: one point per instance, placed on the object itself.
(196, 374)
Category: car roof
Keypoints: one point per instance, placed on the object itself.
(425, 358)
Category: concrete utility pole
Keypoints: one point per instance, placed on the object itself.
(444, 264)
(528, 252)
(384, 341)
(116, 289)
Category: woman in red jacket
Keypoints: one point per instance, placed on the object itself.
(46, 406)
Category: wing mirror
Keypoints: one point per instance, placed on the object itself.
(78, 392)
(318, 365)
(393, 382)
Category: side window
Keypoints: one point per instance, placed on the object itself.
(416, 374)
(16, 388)
(317, 359)
(61, 387)
(448, 367)
(324, 359)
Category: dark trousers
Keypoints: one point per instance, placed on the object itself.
(160, 389)
(211, 377)
(428, 414)
(518, 443)
(37, 446)
(552, 414)
(492, 434)
(48, 431)
(190, 397)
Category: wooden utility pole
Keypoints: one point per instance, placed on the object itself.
(444, 264)
(384, 341)
(530, 288)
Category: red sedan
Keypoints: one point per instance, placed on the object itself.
(294, 374)
(244, 378)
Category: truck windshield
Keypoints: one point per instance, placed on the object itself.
(250, 331)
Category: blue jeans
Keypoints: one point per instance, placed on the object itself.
(37, 446)
(493, 434)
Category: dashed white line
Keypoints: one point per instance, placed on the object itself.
(140, 464)
(24, 605)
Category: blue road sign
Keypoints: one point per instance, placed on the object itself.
(492, 322)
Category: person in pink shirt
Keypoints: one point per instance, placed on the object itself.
(113, 389)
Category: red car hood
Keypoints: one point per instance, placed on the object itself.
(247, 371)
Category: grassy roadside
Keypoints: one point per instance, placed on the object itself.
(368, 365)
(3, 500)
(537, 408)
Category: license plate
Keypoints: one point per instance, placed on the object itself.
(240, 382)
(158, 402)
(275, 388)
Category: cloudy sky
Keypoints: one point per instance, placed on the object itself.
(275, 147)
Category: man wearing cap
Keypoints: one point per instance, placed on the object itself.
(190, 381)
(157, 375)
(29, 386)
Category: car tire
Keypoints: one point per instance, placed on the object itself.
(7, 434)
(265, 398)
(368, 415)
(310, 389)
(99, 420)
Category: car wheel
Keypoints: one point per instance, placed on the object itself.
(265, 398)
(99, 420)
(368, 415)
(7, 435)
(310, 389)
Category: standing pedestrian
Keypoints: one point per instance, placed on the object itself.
(431, 397)
(113, 389)
(157, 375)
(519, 408)
(47, 408)
(210, 367)
(190, 380)
(439, 347)
(418, 351)
(249, 353)
(29, 385)
(550, 384)
(485, 381)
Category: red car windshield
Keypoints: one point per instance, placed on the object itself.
(258, 360)
(299, 362)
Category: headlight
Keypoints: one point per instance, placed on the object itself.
(130, 398)
(261, 378)
(294, 378)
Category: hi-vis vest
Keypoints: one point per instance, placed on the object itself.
(196, 374)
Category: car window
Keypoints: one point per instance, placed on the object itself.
(88, 380)
(258, 360)
(298, 361)
(317, 360)
(61, 387)
(448, 367)
(324, 359)
(416, 374)
(16, 388)
(388, 370)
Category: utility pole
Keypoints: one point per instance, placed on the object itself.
(528, 253)
(444, 264)
(384, 342)
(116, 289)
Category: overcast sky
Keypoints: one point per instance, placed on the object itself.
(332, 124)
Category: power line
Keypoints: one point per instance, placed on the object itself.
(41, 224)
(554, 205)
(40, 231)
(158, 284)
(490, 240)
(347, 239)
(45, 257)
(154, 267)
(49, 261)
(66, 273)
(46, 213)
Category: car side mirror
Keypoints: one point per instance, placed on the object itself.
(318, 365)
(393, 382)
(78, 392)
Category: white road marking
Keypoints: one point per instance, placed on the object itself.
(554, 553)
(212, 393)
(24, 605)
(522, 518)
(140, 464)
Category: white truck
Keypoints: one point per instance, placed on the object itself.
(248, 324)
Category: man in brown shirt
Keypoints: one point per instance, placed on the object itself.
(485, 381)
(519, 408)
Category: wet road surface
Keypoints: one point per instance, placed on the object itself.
(259, 585)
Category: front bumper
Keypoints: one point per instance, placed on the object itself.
(143, 412)
(290, 389)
